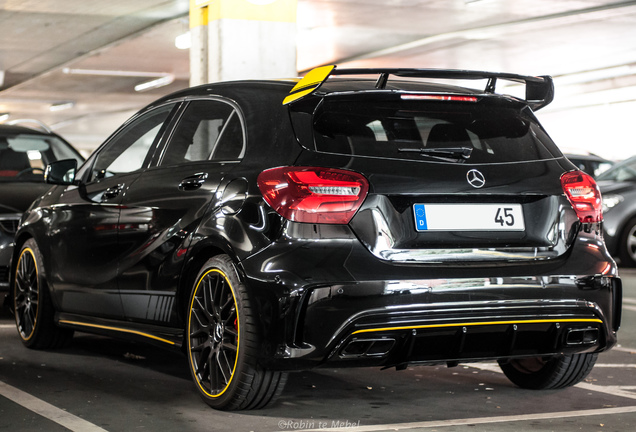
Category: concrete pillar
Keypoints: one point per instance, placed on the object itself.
(246, 39)
(199, 44)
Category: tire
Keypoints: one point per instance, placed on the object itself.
(546, 373)
(223, 342)
(34, 311)
(627, 244)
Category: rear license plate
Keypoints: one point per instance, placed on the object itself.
(468, 217)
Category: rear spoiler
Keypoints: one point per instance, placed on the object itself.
(539, 89)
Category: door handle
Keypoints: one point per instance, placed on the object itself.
(193, 182)
(112, 192)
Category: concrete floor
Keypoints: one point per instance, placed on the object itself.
(105, 384)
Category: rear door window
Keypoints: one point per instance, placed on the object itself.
(208, 130)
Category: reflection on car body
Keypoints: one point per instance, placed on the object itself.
(271, 226)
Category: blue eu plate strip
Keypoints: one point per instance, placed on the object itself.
(420, 217)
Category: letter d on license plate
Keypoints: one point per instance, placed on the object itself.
(469, 217)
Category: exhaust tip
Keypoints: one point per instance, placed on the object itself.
(358, 348)
(584, 336)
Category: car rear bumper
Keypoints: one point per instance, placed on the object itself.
(329, 301)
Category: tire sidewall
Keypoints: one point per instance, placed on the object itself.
(558, 372)
(229, 398)
(31, 247)
(534, 380)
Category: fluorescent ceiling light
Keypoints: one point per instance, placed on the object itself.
(61, 106)
(101, 72)
(599, 98)
(569, 79)
(596, 75)
(183, 41)
(162, 78)
(159, 82)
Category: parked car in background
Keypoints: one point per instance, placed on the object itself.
(590, 163)
(618, 187)
(337, 221)
(24, 154)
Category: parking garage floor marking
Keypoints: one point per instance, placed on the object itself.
(621, 391)
(481, 420)
(624, 349)
(615, 365)
(46, 410)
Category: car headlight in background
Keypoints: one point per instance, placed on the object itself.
(609, 201)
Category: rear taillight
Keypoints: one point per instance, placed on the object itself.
(313, 195)
(584, 195)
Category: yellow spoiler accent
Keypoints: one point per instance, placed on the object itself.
(309, 83)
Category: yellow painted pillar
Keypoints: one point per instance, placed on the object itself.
(246, 39)
(199, 42)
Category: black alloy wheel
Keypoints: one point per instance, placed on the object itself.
(214, 333)
(223, 342)
(33, 307)
(27, 294)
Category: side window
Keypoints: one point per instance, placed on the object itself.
(129, 149)
(208, 130)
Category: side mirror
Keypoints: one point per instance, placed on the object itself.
(61, 172)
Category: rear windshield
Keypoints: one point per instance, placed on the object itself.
(462, 132)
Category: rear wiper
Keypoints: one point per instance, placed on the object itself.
(446, 154)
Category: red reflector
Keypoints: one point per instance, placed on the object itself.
(313, 195)
(439, 97)
(584, 195)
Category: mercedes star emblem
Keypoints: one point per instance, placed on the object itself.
(475, 178)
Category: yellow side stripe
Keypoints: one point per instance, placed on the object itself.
(541, 321)
(118, 329)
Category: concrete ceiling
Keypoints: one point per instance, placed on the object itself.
(92, 54)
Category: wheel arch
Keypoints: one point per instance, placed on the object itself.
(19, 240)
(199, 254)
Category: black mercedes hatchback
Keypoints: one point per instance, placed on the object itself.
(357, 217)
